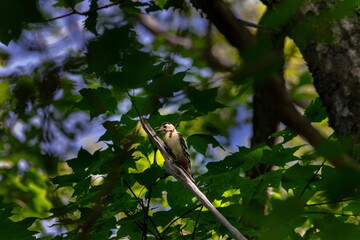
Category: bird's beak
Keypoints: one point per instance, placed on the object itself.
(159, 130)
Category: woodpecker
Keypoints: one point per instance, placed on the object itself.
(177, 145)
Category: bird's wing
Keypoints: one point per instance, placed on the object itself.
(184, 146)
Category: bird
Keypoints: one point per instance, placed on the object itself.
(177, 145)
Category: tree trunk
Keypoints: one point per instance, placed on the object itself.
(334, 61)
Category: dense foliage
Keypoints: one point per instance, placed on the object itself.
(75, 162)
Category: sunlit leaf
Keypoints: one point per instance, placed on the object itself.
(315, 112)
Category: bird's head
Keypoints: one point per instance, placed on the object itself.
(166, 127)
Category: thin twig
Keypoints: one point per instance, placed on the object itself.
(86, 13)
(196, 222)
(252, 199)
(332, 202)
(312, 178)
(181, 216)
(143, 207)
(253, 25)
(329, 213)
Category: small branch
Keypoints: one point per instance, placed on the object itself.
(207, 54)
(196, 222)
(312, 178)
(253, 25)
(155, 28)
(329, 213)
(86, 13)
(181, 216)
(180, 175)
(145, 211)
(333, 202)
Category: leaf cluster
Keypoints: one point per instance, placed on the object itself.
(122, 191)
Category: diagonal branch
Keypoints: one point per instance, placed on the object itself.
(185, 179)
(206, 54)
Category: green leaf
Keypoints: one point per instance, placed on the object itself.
(165, 86)
(91, 20)
(287, 134)
(108, 49)
(163, 217)
(279, 155)
(114, 132)
(161, 3)
(288, 212)
(200, 142)
(179, 197)
(14, 230)
(332, 228)
(145, 106)
(149, 176)
(339, 183)
(66, 180)
(81, 162)
(132, 7)
(272, 178)
(97, 101)
(315, 112)
(14, 16)
(204, 101)
(129, 229)
(332, 148)
(82, 188)
(297, 176)
(176, 4)
(136, 69)
(246, 158)
(234, 210)
(66, 3)
(4, 92)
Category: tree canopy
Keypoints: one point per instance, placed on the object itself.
(265, 92)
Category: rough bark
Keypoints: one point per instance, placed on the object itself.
(335, 64)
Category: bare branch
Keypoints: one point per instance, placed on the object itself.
(207, 54)
(154, 27)
(173, 169)
(86, 13)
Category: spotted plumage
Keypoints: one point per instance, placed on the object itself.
(177, 145)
